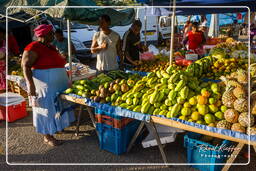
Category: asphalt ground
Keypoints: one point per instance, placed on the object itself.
(25, 146)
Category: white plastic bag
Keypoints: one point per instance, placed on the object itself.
(153, 49)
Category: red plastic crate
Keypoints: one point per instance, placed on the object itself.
(14, 112)
(115, 123)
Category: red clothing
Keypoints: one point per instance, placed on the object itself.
(13, 45)
(48, 56)
(195, 39)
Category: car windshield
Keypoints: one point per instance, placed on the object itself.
(75, 25)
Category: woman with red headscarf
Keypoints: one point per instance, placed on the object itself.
(45, 76)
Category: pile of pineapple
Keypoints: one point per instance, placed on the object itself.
(253, 89)
(235, 98)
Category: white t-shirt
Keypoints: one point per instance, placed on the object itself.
(107, 59)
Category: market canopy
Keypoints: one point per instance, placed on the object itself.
(89, 15)
(204, 3)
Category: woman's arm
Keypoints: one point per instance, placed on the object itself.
(95, 48)
(28, 59)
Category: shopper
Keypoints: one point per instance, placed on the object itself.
(61, 44)
(131, 44)
(43, 68)
(195, 40)
(106, 44)
(203, 26)
(235, 30)
(2, 61)
(13, 47)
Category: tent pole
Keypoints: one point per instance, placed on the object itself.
(145, 30)
(12, 18)
(69, 50)
(172, 30)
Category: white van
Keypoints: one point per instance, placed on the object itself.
(157, 27)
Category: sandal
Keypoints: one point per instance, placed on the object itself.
(52, 141)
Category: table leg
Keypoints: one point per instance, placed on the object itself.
(91, 114)
(137, 133)
(89, 109)
(254, 147)
(233, 156)
(78, 120)
(160, 146)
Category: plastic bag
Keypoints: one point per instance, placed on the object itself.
(147, 56)
(153, 49)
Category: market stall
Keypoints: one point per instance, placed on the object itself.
(152, 98)
(185, 95)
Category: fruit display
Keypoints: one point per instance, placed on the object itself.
(174, 94)
(235, 98)
(227, 49)
(93, 88)
(225, 67)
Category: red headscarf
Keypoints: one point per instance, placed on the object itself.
(42, 30)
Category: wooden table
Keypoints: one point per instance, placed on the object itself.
(171, 123)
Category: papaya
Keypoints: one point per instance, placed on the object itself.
(130, 107)
(163, 107)
(145, 107)
(184, 92)
(175, 110)
(151, 110)
(154, 97)
(123, 105)
(161, 96)
(135, 101)
(156, 111)
(168, 115)
(137, 108)
(180, 85)
(163, 112)
(172, 95)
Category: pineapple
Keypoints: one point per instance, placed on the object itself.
(246, 120)
(233, 83)
(251, 130)
(241, 105)
(253, 103)
(231, 115)
(239, 92)
(242, 76)
(223, 124)
(238, 127)
(228, 97)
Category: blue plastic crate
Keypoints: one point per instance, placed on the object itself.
(116, 140)
(198, 154)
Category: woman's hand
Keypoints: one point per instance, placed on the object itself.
(104, 45)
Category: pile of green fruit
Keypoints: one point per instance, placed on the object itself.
(82, 88)
(110, 91)
(198, 68)
(87, 88)
(174, 95)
